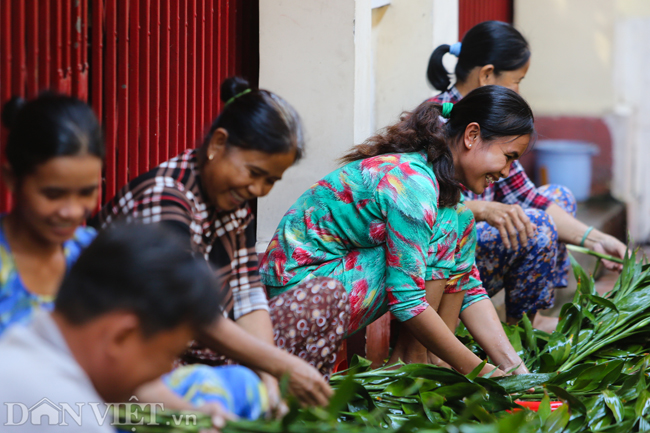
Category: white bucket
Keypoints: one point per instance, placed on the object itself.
(566, 162)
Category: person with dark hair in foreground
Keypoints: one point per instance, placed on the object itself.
(124, 312)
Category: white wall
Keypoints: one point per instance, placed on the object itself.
(348, 69)
(307, 56)
(572, 50)
(630, 120)
(590, 58)
(404, 35)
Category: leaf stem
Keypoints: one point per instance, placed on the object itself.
(593, 253)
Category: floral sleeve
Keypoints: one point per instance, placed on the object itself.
(407, 196)
(465, 275)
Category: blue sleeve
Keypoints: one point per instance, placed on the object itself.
(83, 236)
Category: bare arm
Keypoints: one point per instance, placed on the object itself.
(570, 230)
(510, 220)
(305, 381)
(433, 333)
(258, 323)
(157, 392)
(483, 323)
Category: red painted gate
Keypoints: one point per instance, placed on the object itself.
(151, 69)
(472, 12)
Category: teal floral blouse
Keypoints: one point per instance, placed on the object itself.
(17, 303)
(375, 225)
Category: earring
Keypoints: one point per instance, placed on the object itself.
(211, 157)
(470, 145)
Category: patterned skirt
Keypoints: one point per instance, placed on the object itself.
(309, 321)
(530, 274)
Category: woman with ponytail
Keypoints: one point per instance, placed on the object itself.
(492, 52)
(203, 194)
(390, 227)
(521, 229)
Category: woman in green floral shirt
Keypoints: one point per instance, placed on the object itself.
(390, 226)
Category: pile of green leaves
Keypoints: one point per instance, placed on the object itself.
(596, 363)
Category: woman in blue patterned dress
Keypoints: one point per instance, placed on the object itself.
(54, 155)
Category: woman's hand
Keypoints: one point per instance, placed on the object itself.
(606, 244)
(219, 416)
(572, 231)
(511, 221)
(307, 384)
(521, 369)
(483, 324)
(277, 406)
(489, 368)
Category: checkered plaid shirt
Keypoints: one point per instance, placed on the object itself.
(452, 95)
(516, 188)
(172, 193)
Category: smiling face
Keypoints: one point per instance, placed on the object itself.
(480, 163)
(57, 197)
(232, 175)
(509, 79)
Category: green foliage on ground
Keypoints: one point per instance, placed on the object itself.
(596, 363)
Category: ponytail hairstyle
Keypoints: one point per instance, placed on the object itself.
(257, 119)
(488, 43)
(47, 127)
(499, 111)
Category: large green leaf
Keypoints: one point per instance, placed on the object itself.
(557, 421)
(602, 302)
(639, 302)
(432, 400)
(513, 334)
(576, 424)
(559, 347)
(575, 404)
(477, 370)
(586, 284)
(614, 404)
(360, 364)
(544, 409)
(430, 372)
(644, 425)
(530, 340)
(459, 390)
(547, 363)
(642, 403)
(569, 376)
(402, 387)
(517, 422)
(522, 382)
(570, 321)
(345, 393)
(588, 379)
